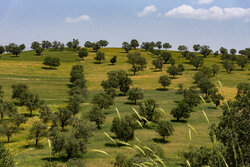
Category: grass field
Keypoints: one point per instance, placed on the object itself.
(51, 86)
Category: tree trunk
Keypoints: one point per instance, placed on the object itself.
(36, 143)
(8, 137)
(135, 101)
(30, 113)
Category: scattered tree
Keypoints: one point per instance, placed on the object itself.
(96, 46)
(164, 81)
(166, 56)
(181, 68)
(205, 50)
(228, 65)
(126, 46)
(166, 46)
(215, 69)
(74, 104)
(196, 61)
(137, 61)
(52, 62)
(31, 101)
(182, 48)
(148, 110)
(88, 44)
(83, 52)
(158, 63)
(2, 50)
(39, 51)
(37, 131)
(113, 60)
(134, 43)
(96, 115)
(196, 47)
(135, 94)
(6, 159)
(103, 43)
(7, 129)
(62, 116)
(100, 56)
(35, 45)
(103, 100)
(242, 61)
(165, 128)
(173, 70)
(46, 113)
(182, 110)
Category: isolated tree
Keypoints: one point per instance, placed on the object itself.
(134, 43)
(215, 69)
(182, 110)
(96, 46)
(158, 45)
(62, 116)
(233, 51)
(74, 104)
(196, 61)
(113, 60)
(52, 62)
(228, 65)
(75, 44)
(96, 115)
(88, 44)
(46, 44)
(137, 61)
(7, 109)
(182, 48)
(165, 128)
(166, 46)
(6, 159)
(148, 110)
(37, 131)
(223, 51)
(242, 61)
(191, 97)
(100, 56)
(216, 53)
(35, 45)
(126, 46)
(17, 119)
(205, 85)
(123, 128)
(46, 113)
(173, 70)
(69, 44)
(2, 50)
(39, 51)
(16, 50)
(22, 47)
(181, 68)
(135, 94)
(103, 100)
(164, 80)
(103, 43)
(83, 52)
(7, 129)
(196, 47)
(31, 101)
(205, 50)
(166, 56)
(158, 63)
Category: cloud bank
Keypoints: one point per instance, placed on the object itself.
(213, 13)
(82, 18)
(205, 1)
(147, 11)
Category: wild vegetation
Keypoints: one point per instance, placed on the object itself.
(123, 107)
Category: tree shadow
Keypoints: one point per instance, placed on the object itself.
(96, 62)
(157, 70)
(129, 103)
(124, 52)
(114, 145)
(162, 89)
(160, 140)
(176, 101)
(39, 146)
(48, 68)
(69, 85)
(212, 107)
(56, 159)
(180, 121)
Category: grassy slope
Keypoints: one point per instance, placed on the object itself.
(51, 85)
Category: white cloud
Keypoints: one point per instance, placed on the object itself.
(147, 11)
(82, 18)
(205, 1)
(213, 13)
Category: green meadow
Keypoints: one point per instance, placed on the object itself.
(53, 85)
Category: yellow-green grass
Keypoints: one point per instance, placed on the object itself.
(52, 86)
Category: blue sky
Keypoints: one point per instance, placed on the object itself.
(212, 22)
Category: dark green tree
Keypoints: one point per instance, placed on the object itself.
(96, 46)
(166, 46)
(18, 90)
(62, 116)
(39, 51)
(165, 128)
(164, 80)
(182, 48)
(100, 56)
(7, 128)
(205, 85)
(52, 62)
(182, 110)
(113, 60)
(215, 69)
(88, 44)
(228, 65)
(158, 45)
(103, 100)
(126, 46)
(103, 43)
(37, 131)
(31, 101)
(158, 63)
(83, 52)
(135, 94)
(6, 159)
(148, 109)
(134, 43)
(196, 47)
(96, 115)
(2, 50)
(166, 56)
(205, 50)
(196, 61)
(137, 61)
(35, 45)
(181, 68)
(46, 113)
(173, 70)
(242, 61)
(74, 104)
